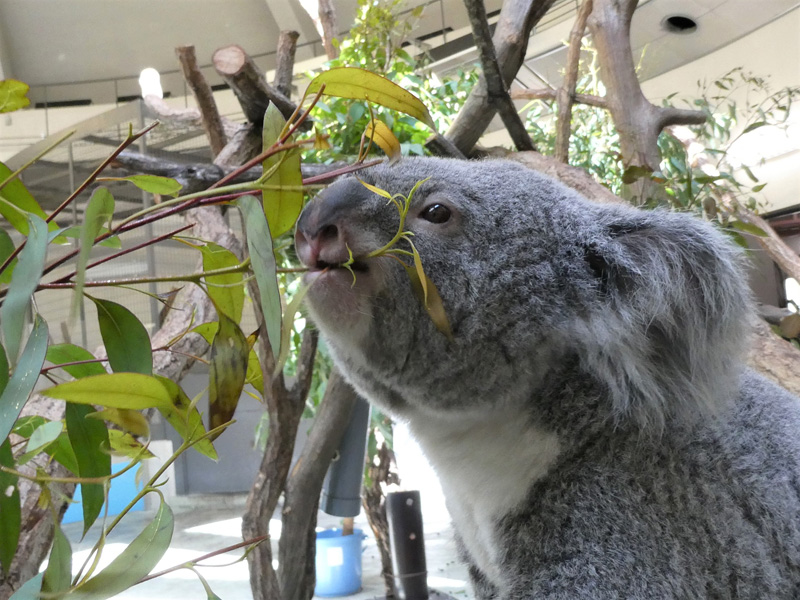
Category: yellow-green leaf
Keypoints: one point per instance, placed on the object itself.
(129, 420)
(16, 200)
(226, 372)
(376, 190)
(115, 390)
(360, 84)
(99, 211)
(384, 138)
(133, 563)
(125, 444)
(185, 418)
(58, 575)
(434, 306)
(226, 291)
(11, 520)
(155, 184)
(13, 95)
(423, 279)
(282, 206)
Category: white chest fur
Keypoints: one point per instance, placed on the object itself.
(486, 466)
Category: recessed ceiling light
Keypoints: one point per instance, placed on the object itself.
(679, 24)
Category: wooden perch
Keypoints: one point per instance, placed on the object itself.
(514, 26)
(326, 25)
(566, 93)
(284, 69)
(496, 86)
(239, 71)
(204, 96)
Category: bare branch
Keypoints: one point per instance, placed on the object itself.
(204, 96)
(287, 45)
(239, 71)
(496, 86)
(514, 26)
(566, 93)
(668, 116)
(547, 94)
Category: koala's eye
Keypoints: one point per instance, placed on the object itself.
(436, 213)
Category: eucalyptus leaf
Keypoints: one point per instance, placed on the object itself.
(16, 201)
(125, 444)
(13, 95)
(58, 575)
(185, 418)
(134, 562)
(155, 184)
(380, 133)
(126, 340)
(44, 434)
(30, 589)
(226, 371)
(99, 211)
(11, 520)
(23, 283)
(89, 439)
(226, 291)
(61, 354)
(115, 390)
(3, 369)
(23, 380)
(281, 206)
(6, 249)
(360, 84)
(129, 420)
(259, 244)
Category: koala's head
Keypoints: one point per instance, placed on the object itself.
(530, 275)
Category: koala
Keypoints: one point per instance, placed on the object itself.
(595, 429)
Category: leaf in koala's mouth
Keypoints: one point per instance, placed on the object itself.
(357, 266)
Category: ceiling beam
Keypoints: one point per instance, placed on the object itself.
(6, 72)
(290, 14)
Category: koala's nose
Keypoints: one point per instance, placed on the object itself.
(324, 229)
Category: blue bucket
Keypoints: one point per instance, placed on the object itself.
(338, 563)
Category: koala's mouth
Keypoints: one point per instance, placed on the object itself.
(357, 266)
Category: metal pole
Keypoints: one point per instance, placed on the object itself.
(407, 545)
(147, 202)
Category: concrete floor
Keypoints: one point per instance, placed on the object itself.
(210, 522)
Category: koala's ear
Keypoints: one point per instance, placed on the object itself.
(669, 326)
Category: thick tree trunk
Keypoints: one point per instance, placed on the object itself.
(301, 497)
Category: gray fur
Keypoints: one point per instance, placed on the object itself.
(593, 424)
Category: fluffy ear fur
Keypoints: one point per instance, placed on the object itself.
(673, 322)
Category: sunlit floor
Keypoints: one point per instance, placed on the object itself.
(207, 523)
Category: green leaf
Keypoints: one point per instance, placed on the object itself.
(13, 95)
(753, 126)
(62, 452)
(3, 369)
(226, 371)
(6, 249)
(115, 390)
(286, 331)
(11, 520)
(155, 184)
(750, 174)
(75, 232)
(22, 381)
(59, 354)
(281, 206)
(748, 228)
(44, 434)
(207, 330)
(360, 84)
(58, 575)
(226, 291)
(134, 562)
(759, 187)
(89, 439)
(129, 420)
(23, 283)
(16, 200)
(185, 418)
(634, 172)
(125, 444)
(30, 589)
(99, 211)
(259, 244)
(434, 306)
(125, 338)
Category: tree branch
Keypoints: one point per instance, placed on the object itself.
(284, 70)
(204, 96)
(517, 18)
(495, 85)
(566, 93)
(546, 94)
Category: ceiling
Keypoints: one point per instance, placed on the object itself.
(110, 41)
